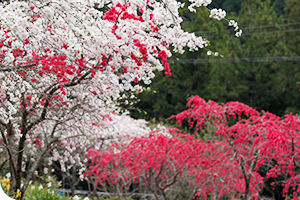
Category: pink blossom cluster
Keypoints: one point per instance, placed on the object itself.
(249, 141)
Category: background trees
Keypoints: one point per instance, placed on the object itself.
(259, 69)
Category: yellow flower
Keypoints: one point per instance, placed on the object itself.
(6, 182)
(18, 194)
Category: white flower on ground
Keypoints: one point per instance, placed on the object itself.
(76, 197)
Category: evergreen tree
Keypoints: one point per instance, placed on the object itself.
(253, 83)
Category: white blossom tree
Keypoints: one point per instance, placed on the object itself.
(63, 63)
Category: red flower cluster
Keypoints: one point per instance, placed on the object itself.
(163, 55)
(111, 15)
(38, 141)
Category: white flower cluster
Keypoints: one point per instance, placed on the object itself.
(77, 198)
(236, 28)
(79, 27)
(86, 36)
(12, 88)
(94, 133)
(84, 132)
(218, 14)
(198, 3)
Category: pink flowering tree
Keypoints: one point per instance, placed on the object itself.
(165, 166)
(61, 62)
(227, 168)
(151, 163)
(253, 140)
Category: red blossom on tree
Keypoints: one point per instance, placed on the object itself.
(229, 167)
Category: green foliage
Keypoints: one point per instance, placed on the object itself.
(111, 198)
(229, 5)
(44, 191)
(36, 192)
(259, 84)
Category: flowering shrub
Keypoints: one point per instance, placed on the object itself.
(161, 164)
(36, 190)
(255, 139)
(227, 168)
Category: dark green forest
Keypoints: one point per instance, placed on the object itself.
(261, 68)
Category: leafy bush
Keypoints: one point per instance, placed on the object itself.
(37, 192)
